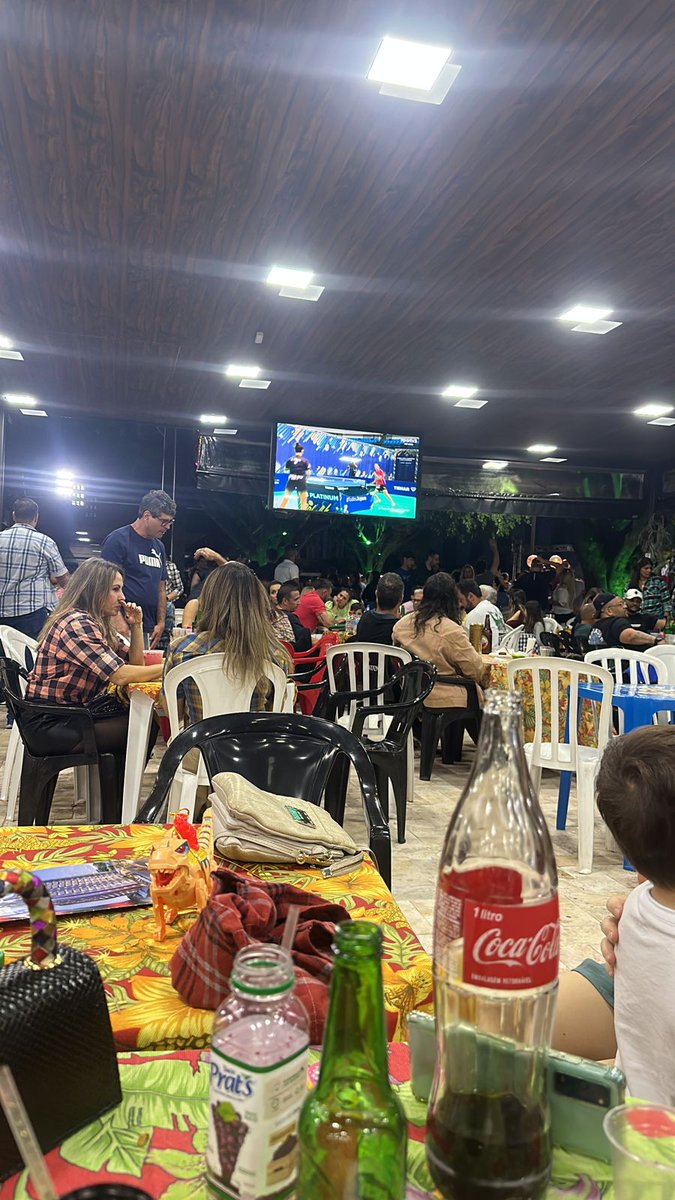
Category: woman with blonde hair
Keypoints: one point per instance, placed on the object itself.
(80, 654)
(234, 621)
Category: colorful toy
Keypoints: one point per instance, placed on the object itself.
(180, 870)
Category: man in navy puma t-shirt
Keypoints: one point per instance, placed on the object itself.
(139, 552)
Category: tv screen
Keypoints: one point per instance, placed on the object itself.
(340, 471)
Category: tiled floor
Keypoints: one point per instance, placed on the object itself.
(415, 863)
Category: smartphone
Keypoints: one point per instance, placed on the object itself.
(580, 1092)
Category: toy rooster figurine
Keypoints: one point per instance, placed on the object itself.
(180, 870)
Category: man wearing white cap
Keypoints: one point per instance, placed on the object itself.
(645, 621)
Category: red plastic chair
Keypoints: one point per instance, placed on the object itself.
(310, 671)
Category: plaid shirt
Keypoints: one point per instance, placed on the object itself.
(656, 597)
(174, 582)
(74, 662)
(194, 645)
(27, 559)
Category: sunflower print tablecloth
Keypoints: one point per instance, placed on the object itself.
(146, 1012)
(156, 1138)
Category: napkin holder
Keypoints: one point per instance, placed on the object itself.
(55, 1031)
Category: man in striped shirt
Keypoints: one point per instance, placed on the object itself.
(30, 567)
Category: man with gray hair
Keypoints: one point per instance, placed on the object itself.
(137, 549)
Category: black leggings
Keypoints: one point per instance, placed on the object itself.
(51, 734)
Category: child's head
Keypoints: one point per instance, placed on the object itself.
(635, 792)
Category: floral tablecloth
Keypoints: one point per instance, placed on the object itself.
(145, 1011)
(496, 674)
(156, 1138)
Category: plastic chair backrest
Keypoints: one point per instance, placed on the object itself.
(415, 680)
(19, 646)
(510, 639)
(220, 692)
(639, 670)
(281, 753)
(561, 678)
(363, 666)
(666, 654)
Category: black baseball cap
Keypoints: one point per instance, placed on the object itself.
(603, 599)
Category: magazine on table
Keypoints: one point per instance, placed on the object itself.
(87, 887)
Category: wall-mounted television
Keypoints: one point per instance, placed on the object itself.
(343, 471)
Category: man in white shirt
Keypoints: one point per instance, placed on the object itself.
(482, 610)
(288, 568)
(636, 796)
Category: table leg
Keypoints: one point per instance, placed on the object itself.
(140, 722)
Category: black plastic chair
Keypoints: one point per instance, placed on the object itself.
(283, 753)
(404, 693)
(449, 724)
(40, 771)
(561, 644)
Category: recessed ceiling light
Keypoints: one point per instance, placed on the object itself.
(555, 460)
(463, 391)
(84, 539)
(407, 64)
(585, 312)
(541, 448)
(297, 293)
(554, 493)
(597, 327)
(213, 419)
(262, 384)
(82, 532)
(286, 277)
(653, 409)
(6, 343)
(242, 371)
(662, 421)
(33, 412)
(20, 398)
(495, 464)
(469, 404)
(15, 355)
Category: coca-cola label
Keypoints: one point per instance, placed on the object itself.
(511, 946)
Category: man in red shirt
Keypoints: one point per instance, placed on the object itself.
(311, 610)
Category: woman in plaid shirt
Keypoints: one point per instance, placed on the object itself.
(234, 620)
(80, 654)
(655, 593)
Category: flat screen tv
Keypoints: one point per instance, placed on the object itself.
(342, 471)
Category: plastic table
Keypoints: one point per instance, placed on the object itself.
(639, 703)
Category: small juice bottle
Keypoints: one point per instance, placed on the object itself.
(258, 1079)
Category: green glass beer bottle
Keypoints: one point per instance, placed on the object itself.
(352, 1129)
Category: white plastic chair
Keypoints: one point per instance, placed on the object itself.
(558, 754)
(220, 693)
(617, 659)
(369, 665)
(510, 639)
(666, 654)
(23, 650)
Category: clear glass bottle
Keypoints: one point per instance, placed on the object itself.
(496, 949)
(258, 1079)
(352, 1130)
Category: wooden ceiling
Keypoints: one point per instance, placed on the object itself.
(158, 156)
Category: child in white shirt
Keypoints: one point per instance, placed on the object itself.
(636, 796)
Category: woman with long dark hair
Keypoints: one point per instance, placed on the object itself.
(80, 654)
(655, 594)
(434, 632)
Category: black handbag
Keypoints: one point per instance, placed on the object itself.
(55, 1030)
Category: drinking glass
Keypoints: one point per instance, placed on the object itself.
(642, 1138)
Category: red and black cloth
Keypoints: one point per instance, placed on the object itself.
(242, 911)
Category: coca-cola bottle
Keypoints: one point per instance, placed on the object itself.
(496, 950)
